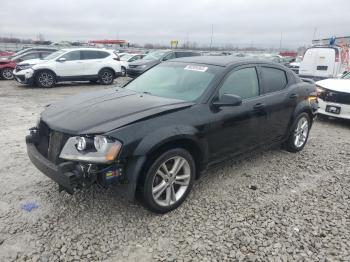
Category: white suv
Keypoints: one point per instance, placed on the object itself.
(90, 64)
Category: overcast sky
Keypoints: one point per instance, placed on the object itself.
(236, 22)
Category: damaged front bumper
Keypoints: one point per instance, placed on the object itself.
(73, 175)
(70, 175)
(25, 76)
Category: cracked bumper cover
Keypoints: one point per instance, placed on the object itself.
(67, 176)
(62, 174)
(25, 76)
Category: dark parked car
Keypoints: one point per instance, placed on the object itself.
(157, 134)
(136, 68)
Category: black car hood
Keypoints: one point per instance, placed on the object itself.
(103, 111)
(147, 62)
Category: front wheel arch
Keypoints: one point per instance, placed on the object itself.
(37, 72)
(44, 69)
(108, 68)
(189, 145)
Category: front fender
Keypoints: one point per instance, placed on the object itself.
(153, 141)
(168, 134)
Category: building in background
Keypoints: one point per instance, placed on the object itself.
(120, 43)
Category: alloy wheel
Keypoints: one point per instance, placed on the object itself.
(171, 181)
(301, 132)
(107, 77)
(7, 74)
(46, 79)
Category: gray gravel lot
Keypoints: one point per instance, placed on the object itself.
(299, 210)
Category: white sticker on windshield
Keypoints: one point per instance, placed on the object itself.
(196, 68)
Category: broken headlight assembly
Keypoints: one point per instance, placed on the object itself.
(97, 149)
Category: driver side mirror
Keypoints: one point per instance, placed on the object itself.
(228, 100)
(61, 59)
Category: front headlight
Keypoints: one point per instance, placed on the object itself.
(24, 67)
(319, 90)
(100, 143)
(142, 66)
(98, 149)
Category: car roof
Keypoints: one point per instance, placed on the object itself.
(223, 61)
(87, 49)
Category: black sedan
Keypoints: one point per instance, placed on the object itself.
(156, 135)
(138, 67)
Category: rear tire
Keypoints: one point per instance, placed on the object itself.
(45, 79)
(6, 73)
(106, 76)
(168, 181)
(299, 133)
(123, 71)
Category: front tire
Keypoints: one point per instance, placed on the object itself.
(168, 181)
(7, 74)
(45, 79)
(106, 76)
(299, 134)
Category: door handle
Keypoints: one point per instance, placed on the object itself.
(293, 96)
(259, 106)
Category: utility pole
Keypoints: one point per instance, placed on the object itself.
(315, 31)
(212, 33)
(314, 36)
(281, 42)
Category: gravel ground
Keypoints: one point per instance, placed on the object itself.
(271, 206)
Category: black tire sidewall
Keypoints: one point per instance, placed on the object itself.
(123, 73)
(2, 72)
(37, 82)
(147, 196)
(290, 143)
(100, 76)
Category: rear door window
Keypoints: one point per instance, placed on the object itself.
(92, 54)
(274, 79)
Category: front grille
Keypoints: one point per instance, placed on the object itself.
(20, 78)
(335, 96)
(51, 142)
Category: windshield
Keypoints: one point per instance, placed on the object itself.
(176, 80)
(125, 57)
(155, 55)
(54, 55)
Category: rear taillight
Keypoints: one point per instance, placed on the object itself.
(116, 58)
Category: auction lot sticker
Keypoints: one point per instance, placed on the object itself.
(196, 68)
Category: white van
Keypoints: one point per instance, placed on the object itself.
(321, 62)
